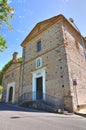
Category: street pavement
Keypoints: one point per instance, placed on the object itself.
(17, 118)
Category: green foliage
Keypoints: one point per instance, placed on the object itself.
(6, 13)
(9, 63)
(0, 77)
(20, 59)
(6, 66)
(1, 88)
(2, 44)
(1, 91)
(4, 69)
(85, 38)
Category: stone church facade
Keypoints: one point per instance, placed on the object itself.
(53, 66)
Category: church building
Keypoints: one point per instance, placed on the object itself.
(52, 73)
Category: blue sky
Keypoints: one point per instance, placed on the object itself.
(29, 12)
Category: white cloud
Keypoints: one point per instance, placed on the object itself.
(20, 31)
(21, 17)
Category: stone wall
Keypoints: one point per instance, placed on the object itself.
(76, 66)
(54, 58)
(12, 75)
(62, 60)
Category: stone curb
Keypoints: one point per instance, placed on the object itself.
(80, 114)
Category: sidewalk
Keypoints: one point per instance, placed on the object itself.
(82, 112)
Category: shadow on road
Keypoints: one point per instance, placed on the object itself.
(10, 107)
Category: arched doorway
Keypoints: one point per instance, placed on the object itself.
(10, 94)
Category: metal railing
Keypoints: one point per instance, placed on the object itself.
(41, 97)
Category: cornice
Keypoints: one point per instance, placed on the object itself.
(38, 30)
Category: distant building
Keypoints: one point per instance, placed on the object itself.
(53, 68)
(11, 79)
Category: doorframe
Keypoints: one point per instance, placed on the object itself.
(39, 88)
(37, 74)
(10, 94)
(8, 89)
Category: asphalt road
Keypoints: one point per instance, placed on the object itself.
(16, 118)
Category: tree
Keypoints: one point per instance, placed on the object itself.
(0, 84)
(2, 44)
(0, 77)
(1, 90)
(6, 13)
(6, 66)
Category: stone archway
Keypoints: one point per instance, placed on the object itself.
(10, 94)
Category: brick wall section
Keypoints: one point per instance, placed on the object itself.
(76, 66)
(49, 38)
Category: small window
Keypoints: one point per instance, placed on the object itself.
(12, 75)
(39, 46)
